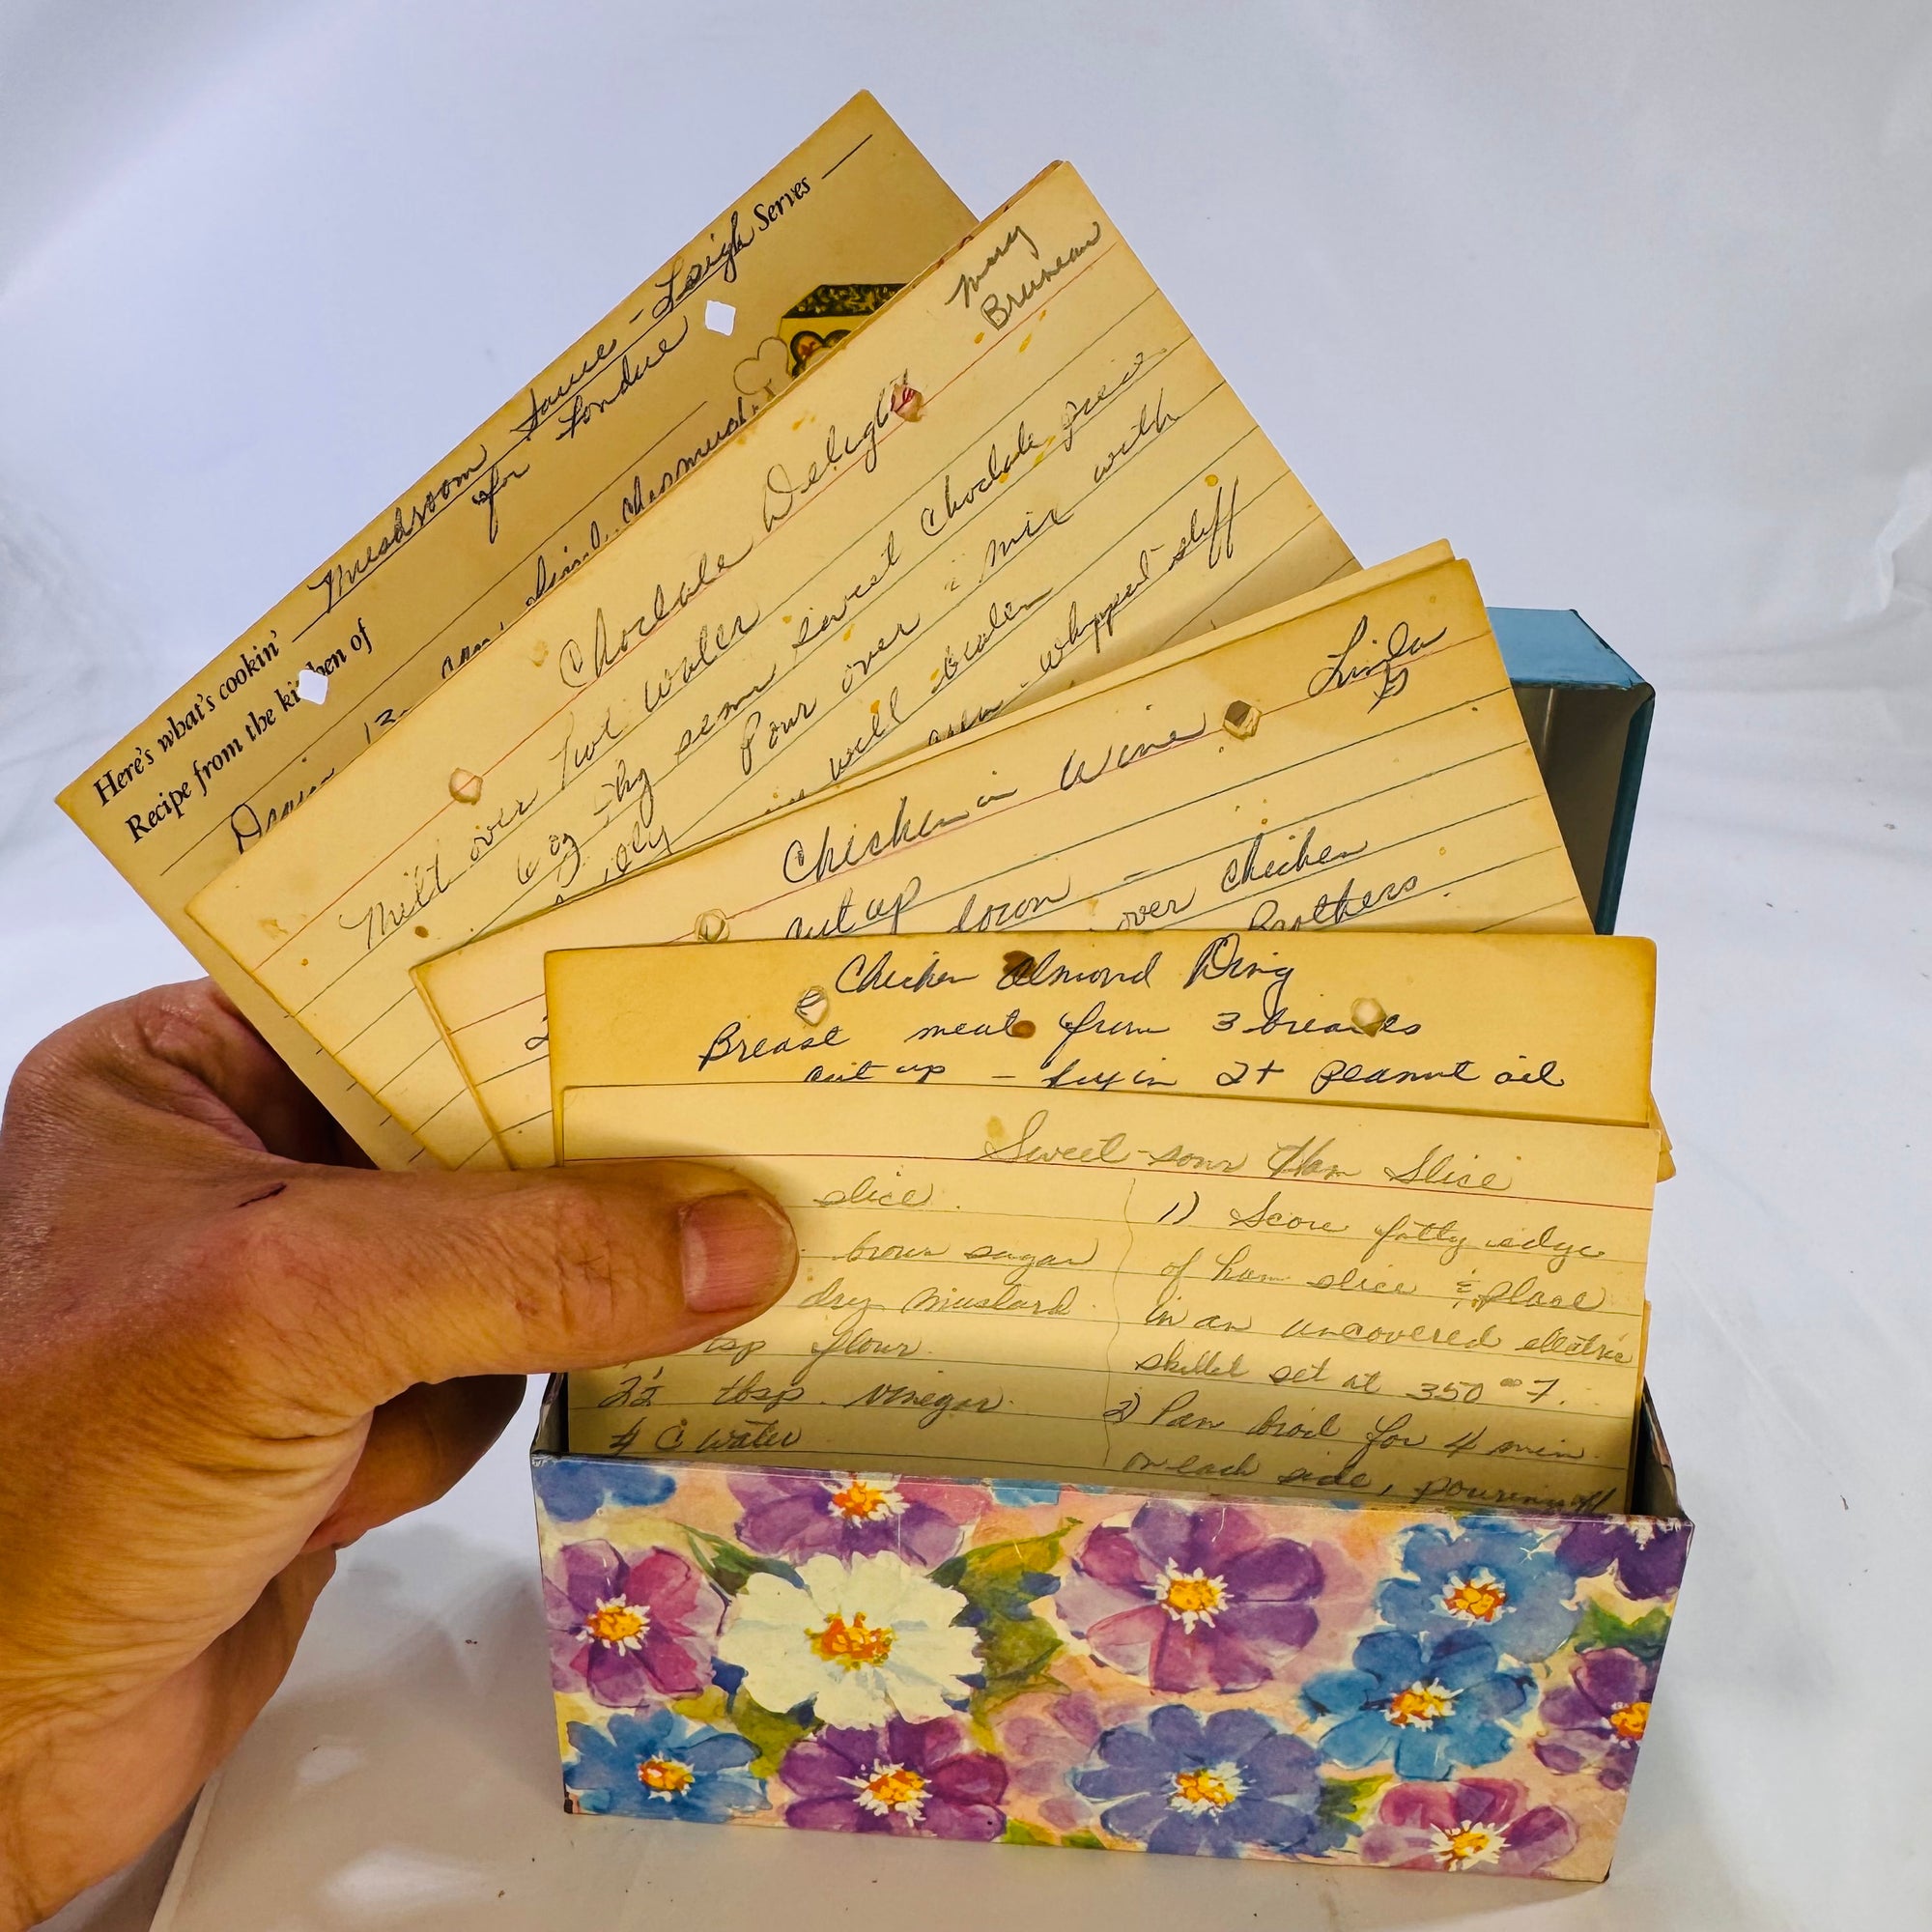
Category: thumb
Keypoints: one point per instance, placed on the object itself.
(392, 1279)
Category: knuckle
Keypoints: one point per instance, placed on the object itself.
(175, 1023)
(62, 1082)
(43, 1071)
(593, 1266)
(43, 1095)
(251, 1290)
(251, 1256)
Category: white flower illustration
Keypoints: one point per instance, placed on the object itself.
(861, 1639)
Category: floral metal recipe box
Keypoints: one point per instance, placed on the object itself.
(1039, 1664)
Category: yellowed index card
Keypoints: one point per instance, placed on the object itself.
(1545, 1024)
(1023, 472)
(676, 369)
(1357, 759)
(1153, 1289)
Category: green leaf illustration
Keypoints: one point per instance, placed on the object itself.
(729, 1566)
(1015, 1653)
(772, 1732)
(1346, 1801)
(710, 1706)
(1020, 1833)
(1600, 1629)
(1001, 1579)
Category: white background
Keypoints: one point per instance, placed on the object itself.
(1632, 303)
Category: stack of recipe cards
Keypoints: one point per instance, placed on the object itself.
(878, 711)
(1038, 1235)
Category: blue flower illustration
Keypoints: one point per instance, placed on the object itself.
(1023, 1496)
(1430, 1704)
(575, 1488)
(658, 1765)
(1182, 1782)
(1485, 1578)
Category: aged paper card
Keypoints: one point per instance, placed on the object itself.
(1220, 1294)
(1540, 1024)
(676, 369)
(1024, 470)
(1357, 759)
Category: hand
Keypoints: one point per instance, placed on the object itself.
(225, 1352)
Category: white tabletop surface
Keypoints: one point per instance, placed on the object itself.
(1629, 302)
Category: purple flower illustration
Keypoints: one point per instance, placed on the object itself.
(1596, 1721)
(1182, 1783)
(1649, 1557)
(914, 1780)
(1192, 1599)
(629, 1628)
(1041, 1738)
(795, 1514)
(1476, 1823)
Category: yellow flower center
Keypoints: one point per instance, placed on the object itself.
(1465, 1846)
(616, 1623)
(1198, 1788)
(665, 1777)
(1192, 1596)
(891, 1788)
(1630, 1721)
(861, 1501)
(1420, 1705)
(1478, 1599)
(852, 1644)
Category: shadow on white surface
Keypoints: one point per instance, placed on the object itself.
(128, 1901)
